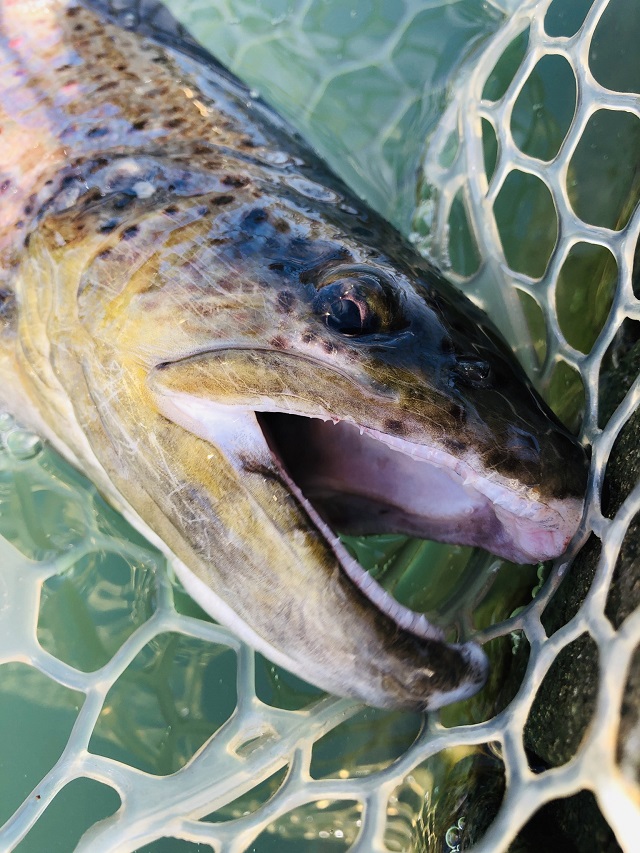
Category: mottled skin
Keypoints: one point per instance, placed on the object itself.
(160, 235)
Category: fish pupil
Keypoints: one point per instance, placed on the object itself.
(345, 309)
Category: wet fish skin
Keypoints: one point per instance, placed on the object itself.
(166, 246)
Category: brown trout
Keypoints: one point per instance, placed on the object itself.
(246, 359)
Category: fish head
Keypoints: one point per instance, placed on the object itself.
(256, 375)
(389, 397)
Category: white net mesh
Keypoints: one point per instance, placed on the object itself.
(110, 674)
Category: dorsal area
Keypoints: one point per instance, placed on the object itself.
(76, 91)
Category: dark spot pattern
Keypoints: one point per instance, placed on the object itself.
(454, 445)
(109, 226)
(395, 427)
(236, 181)
(255, 217)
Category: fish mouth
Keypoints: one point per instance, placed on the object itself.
(361, 481)
(351, 478)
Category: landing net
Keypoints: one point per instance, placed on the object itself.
(131, 722)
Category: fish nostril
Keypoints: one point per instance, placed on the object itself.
(523, 444)
(473, 371)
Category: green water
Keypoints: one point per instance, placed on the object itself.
(366, 81)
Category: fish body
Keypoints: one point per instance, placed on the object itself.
(246, 359)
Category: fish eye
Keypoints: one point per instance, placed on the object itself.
(357, 303)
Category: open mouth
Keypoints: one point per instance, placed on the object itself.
(357, 480)
(360, 481)
(364, 481)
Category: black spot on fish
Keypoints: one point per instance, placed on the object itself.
(124, 201)
(104, 254)
(28, 209)
(130, 232)
(282, 226)
(286, 301)
(277, 267)
(458, 413)
(94, 194)
(96, 132)
(278, 342)
(235, 181)
(308, 338)
(139, 125)
(171, 210)
(7, 302)
(395, 427)
(328, 347)
(174, 122)
(112, 84)
(27, 240)
(220, 200)
(109, 226)
(454, 445)
(4, 186)
(255, 217)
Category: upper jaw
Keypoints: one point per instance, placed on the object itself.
(515, 522)
(368, 481)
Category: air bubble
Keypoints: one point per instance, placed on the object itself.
(23, 444)
(7, 422)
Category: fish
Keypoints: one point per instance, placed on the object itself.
(247, 360)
